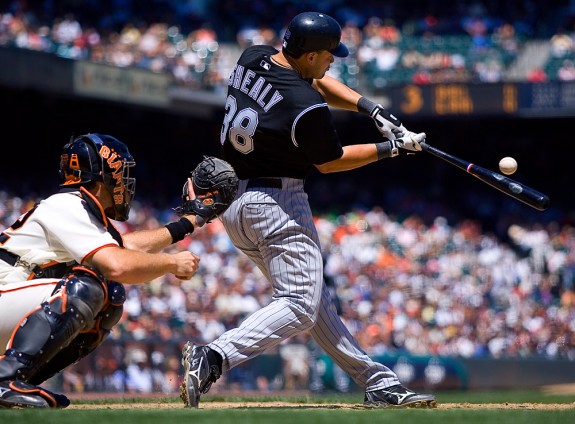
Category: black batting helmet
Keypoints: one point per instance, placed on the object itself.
(310, 31)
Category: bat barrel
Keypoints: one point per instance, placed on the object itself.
(504, 184)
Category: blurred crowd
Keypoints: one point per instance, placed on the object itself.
(401, 286)
(424, 283)
(198, 41)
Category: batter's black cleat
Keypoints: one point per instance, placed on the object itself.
(18, 394)
(202, 367)
(398, 397)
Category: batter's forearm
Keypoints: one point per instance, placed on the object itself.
(337, 94)
(354, 156)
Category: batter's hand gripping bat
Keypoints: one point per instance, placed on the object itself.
(504, 184)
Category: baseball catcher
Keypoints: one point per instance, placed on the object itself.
(63, 266)
(215, 184)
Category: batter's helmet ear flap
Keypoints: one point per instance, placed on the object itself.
(310, 31)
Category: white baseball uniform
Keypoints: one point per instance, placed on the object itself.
(64, 228)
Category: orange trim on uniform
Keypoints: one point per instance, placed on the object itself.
(27, 287)
(96, 250)
(121, 235)
(64, 295)
(45, 394)
(97, 276)
(52, 298)
(88, 270)
(17, 327)
(97, 202)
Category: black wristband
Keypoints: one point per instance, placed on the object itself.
(385, 150)
(180, 229)
(364, 105)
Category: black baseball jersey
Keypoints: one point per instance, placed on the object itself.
(275, 124)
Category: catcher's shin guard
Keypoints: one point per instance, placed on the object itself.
(87, 341)
(45, 331)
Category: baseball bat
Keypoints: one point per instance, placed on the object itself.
(504, 184)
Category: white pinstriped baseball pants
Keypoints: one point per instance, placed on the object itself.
(275, 228)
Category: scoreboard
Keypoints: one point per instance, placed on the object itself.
(496, 99)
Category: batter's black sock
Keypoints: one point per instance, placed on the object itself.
(215, 357)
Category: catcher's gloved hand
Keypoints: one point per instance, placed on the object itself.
(215, 185)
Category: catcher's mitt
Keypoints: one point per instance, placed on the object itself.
(215, 184)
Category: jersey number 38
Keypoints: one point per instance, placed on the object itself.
(240, 127)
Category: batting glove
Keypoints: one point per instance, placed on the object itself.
(387, 124)
(410, 142)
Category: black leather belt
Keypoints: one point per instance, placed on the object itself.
(57, 270)
(8, 257)
(265, 183)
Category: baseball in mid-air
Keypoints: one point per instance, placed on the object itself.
(508, 165)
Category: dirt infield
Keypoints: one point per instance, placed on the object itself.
(147, 403)
(286, 405)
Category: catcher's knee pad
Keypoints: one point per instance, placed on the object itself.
(86, 291)
(72, 308)
(106, 319)
(112, 311)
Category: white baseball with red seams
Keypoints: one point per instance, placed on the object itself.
(508, 165)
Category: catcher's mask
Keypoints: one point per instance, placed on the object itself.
(215, 183)
(100, 157)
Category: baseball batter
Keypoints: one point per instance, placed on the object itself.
(277, 127)
(62, 265)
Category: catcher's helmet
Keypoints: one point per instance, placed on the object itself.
(100, 157)
(310, 31)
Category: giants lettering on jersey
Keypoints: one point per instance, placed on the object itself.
(258, 89)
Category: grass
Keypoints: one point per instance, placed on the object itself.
(281, 416)
(493, 396)
(124, 411)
